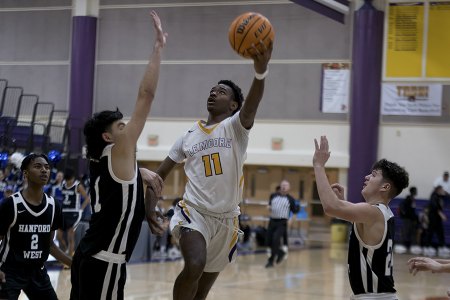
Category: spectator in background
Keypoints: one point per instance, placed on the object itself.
(409, 222)
(444, 182)
(436, 218)
(72, 190)
(3, 184)
(8, 191)
(280, 206)
(83, 225)
(244, 225)
(54, 187)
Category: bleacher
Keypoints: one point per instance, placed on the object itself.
(420, 205)
(28, 124)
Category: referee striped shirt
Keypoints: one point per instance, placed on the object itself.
(280, 206)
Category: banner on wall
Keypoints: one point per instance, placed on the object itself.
(411, 99)
(335, 87)
(405, 39)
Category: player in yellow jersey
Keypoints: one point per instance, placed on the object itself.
(214, 151)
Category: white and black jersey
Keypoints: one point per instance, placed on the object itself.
(70, 197)
(281, 206)
(117, 210)
(27, 231)
(370, 267)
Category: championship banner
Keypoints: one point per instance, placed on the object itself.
(411, 99)
(335, 87)
(438, 58)
(405, 39)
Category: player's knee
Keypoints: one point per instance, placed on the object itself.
(194, 266)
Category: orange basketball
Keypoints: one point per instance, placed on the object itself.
(247, 29)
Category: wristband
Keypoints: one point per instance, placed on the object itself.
(263, 75)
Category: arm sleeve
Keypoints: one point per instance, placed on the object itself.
(6, 215)
(176, 152)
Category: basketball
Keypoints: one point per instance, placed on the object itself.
(247, 29)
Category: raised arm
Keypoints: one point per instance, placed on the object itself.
(147, 89)
(254, 96)
(332, 198)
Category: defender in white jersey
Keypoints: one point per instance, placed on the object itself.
(214, 152)
(370, 256)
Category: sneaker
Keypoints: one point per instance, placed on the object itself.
(400, 249)
(443, 252)
(281, 256)
(429, 251)
(269, 264)
(416, 250)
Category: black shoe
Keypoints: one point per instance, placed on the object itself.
(280, 257)
(269, 264)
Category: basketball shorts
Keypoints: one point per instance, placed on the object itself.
(221, 235)
(94, 279)
(35, 283)
(71, 219)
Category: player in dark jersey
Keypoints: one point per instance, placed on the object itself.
(370, 252)
(72, 191)
(117, 192)
(28, 220)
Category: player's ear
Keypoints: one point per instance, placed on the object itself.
(234, 105)
(106, 136)
(386, 186)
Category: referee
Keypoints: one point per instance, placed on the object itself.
(280, 206)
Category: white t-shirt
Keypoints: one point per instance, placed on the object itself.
(214, 157)
(445, 184)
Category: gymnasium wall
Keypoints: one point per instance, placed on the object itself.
(35, 39)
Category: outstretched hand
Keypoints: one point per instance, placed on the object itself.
(322, 153)
(261, 55)
(417, 264)
(161, 36)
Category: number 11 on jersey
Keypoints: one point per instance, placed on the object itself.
(215, 158)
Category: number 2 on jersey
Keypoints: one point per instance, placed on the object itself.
(389, 259)
(34, 241)
(215, 158)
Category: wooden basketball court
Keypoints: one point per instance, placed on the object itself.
(317, 272)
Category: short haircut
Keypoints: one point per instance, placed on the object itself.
(69, 173)
(31, 157)
(237, 93)
(95, 127)
(393, 173)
